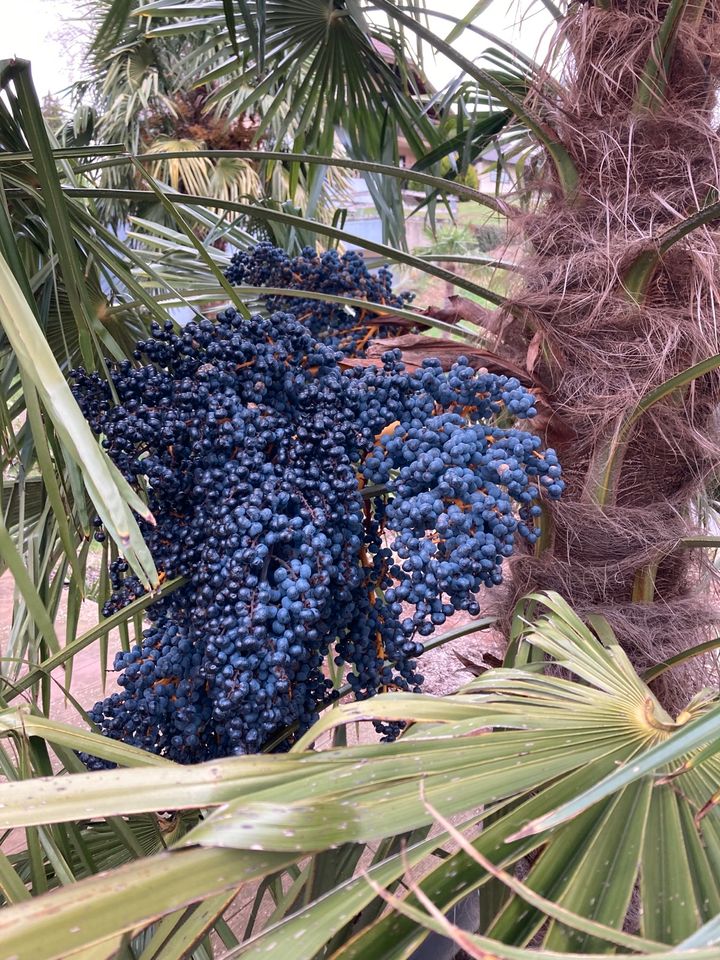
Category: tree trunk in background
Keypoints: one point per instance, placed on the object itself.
(647, 157)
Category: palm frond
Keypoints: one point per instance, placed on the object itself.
(552, 738)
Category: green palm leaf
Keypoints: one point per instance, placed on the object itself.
(552, 736)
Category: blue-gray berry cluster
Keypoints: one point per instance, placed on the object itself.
(314, 511)
(346, 275)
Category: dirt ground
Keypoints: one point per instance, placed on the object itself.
(87, 681)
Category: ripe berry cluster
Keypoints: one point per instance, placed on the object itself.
(461, 489)
(346, 275)
(314, 511)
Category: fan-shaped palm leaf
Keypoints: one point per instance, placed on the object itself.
(552, 738)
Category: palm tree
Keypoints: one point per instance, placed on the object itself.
(142, 82)
(565, 784)
(618, 300)
(135, 93)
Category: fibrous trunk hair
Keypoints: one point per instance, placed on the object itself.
(641, 171)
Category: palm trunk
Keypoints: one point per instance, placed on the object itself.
(612, 327)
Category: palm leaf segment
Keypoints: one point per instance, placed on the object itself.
(311, 66)
(319, 66)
